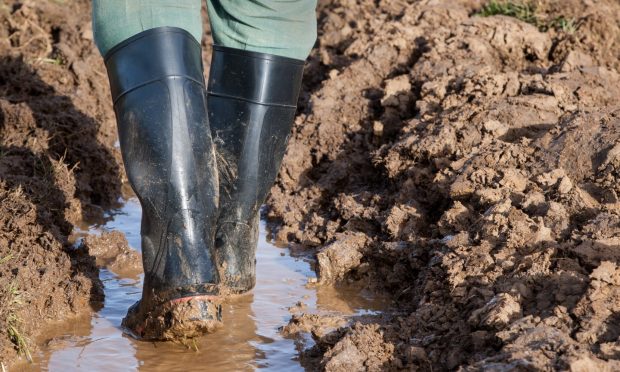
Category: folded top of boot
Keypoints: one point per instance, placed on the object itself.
(256, 77)
(140, 59)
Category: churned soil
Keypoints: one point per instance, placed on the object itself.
(468, 167)
(58, 166)
(464, 166)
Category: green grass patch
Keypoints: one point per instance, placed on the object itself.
(526, 12)
(523, 11)
(568, 25)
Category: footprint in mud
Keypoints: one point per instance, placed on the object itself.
(250, 339)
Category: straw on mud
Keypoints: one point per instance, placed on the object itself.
(6, 258)
(19, 341)
(13, 322)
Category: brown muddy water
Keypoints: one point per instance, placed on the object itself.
(250, 339)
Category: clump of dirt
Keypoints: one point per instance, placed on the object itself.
(339, 257)
(358, 348)
(112, 251)
(58, 165)
(317, 325)
(468, 166)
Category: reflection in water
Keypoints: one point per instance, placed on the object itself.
(248, 341)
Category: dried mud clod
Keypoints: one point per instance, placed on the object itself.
(175, 320)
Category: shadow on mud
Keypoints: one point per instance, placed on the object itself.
(50, 151)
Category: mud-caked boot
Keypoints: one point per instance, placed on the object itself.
(252, 100)
(157, 84)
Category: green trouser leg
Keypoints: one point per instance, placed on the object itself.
(115, 21)
(284, 28)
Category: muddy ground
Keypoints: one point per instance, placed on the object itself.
(464, 165)
(58, 166)
(468, 166)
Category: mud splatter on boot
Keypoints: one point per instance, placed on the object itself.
(177, 319)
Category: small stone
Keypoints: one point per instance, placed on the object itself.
(604, 272)
(495, 127)
(500, 311)
(416, 353)
(574, 60)
(565, 186)
(87, 34)
(550, 178)
(395, 87)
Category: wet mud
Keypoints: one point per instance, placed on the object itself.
(57, 167)
(252, 337)
(112, 251)
(175, 320)
(463, 166)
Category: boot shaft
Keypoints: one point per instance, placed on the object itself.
(157, 85)
(252, 100)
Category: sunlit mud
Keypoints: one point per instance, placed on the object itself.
(249, 340)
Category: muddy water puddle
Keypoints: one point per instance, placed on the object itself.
(249, 340)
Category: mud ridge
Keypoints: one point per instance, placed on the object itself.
(58, 166)
(467, 166)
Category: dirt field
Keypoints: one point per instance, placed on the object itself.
(463, 163)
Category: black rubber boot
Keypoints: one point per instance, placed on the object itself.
(252, 99)
(157, 84)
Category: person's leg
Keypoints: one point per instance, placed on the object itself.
(256, 69)
(117, 20)
(158, 90)
(283, 28)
